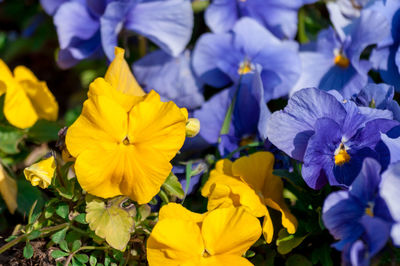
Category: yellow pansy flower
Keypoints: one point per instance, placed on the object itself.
(41, 174)
(249, 182)
(26, 98)
(8, 190)
(218, 237)
(124, 140)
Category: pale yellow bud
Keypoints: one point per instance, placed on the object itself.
(192, 127)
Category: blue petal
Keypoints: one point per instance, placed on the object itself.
(212, 115)
(366, 183)
(51, 6)
(209, 51)
(221, 15)
(73, 21)
(359, 255)
(389, 190)
(376, 241)
(291, 128)
(171, 77)
(111, 24)
(168, 23)
(319, 154)
(342, 218)
(380, 94)
(393, 144)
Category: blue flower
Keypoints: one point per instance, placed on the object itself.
(392, 141)
(220, 59)
(359, 214)
(90, 29)
(51, 6)
(172, 77)
(335, 64)
(249, 117)
(378, 96)
(386, 56)
(331, 135)
(279, 17)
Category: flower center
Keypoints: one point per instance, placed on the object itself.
(206, 253)
(372, 104)
(341, 60)
(126, 141)
(369, 210)
(341, 155)
(245, 67)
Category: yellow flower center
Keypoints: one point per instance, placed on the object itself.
(341, 60)
(206, 254)
(245, 67)
(246, 140)
(341, 156)
(369, 210)
(372, 104)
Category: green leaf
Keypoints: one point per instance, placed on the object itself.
(188, 176)
(62, 210)
(44, 131)
(64, 245)
(28, 250)
(173, 187)
(27, 194)
(76, 245)
(83, 258)
(287, 242)
(49, 211)
(59, 236)
(81, 218)
(10, 137)
(143, 212)
(76, 262)
(322, 254)
(92, 260)
(110, 221)
(58, 254)
(298, 260)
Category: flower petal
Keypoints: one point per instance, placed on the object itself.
(230, 231)
(174, 210)
(8, 190)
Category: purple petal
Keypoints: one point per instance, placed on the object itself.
(221, 15)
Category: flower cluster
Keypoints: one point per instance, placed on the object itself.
(244, 132)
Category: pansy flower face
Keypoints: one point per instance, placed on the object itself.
(359, 214)
(335, 62)
(122, 142)
(331, 135)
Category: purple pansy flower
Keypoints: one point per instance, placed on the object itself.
(220, 59)
(335, 64)
(386, 57)
(249, 117)
(279, 17)
(172, 77)
(392, 142)
(330, 135)
(90, 28)
(378, 96)
(358, 214)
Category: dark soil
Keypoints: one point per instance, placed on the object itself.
(41, 255)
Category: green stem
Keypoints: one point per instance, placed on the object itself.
(83, 232)
(43, 231)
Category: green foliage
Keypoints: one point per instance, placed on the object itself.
(287, 242)
(10, 138)
(44, 131)
(28, 250)
(173, 187)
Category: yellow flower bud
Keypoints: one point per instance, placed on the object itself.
(41, 173)
(192, 127)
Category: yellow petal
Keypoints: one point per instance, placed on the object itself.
(101, 87)
(229, 191)
(39, 94)
(8, 190)
(102, 123)
(120, 76)
(223, 260)
(175, 242)
(288, 220)
(5, 74)
(273, 197)
(230, 231)
(145, 170)
(224, 166)
(254, 169)
(174, 210)
(18, 108)
(41, 173)
(99, 171)
(3, 87)
(268, 228)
